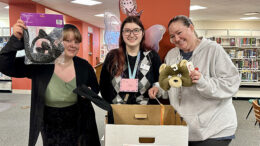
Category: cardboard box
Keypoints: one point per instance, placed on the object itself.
(139, 125)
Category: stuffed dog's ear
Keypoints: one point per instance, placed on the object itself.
(184, 71)
(162, 67)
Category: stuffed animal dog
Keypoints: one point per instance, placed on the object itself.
(176, 75)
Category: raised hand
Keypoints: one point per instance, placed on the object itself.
(18, 29)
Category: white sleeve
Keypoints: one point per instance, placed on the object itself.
(225, 83)
(161, 93)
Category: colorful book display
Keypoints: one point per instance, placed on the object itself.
(245, 54)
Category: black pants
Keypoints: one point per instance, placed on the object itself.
(210, 142)
(60, 126)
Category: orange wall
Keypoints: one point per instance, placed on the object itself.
(96, 43)
(16, 7)
(160, 12)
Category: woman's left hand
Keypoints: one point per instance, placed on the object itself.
(195, 76)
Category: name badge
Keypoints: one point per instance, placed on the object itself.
(145, 66)
(129, 85)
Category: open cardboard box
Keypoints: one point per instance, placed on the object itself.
(139, 125)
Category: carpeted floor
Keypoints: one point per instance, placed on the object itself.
(14, 122)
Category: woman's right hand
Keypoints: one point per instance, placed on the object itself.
(153, 92)
(18, 29)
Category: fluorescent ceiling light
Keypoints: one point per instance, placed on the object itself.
(99, 15)
(6, 7)
(251, 13)
(250, 18)
(196, 7)
(86, 2)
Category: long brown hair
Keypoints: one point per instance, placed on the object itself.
(117, 64)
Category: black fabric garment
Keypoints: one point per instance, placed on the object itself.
(132, 60)
(40, 76)
(107, 89)
(60, 126)
(210, 142)
(85, 92)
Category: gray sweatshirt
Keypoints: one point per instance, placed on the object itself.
(207, 105)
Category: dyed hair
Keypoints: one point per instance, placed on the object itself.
(117, 64)
(71, 28)
(185, 21)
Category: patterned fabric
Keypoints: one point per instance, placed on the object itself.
(143, 83)
(60, 126)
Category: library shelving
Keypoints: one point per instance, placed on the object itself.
(245, 54)
(5, 81)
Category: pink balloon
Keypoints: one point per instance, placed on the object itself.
(153, 36)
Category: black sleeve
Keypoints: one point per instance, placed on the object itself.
(9, 64)
(87, 123)
(105, 82)
(156, 63)
(88, 127)
(93, 79)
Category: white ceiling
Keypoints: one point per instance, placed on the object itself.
(224, 10)
(230, 10)
(82, 12)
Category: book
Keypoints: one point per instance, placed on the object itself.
(232, 41)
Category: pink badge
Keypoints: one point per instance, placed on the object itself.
(129, 85)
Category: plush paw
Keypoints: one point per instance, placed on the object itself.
(183, 63)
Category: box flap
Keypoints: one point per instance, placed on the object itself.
(145, 115)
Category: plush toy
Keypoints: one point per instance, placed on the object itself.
(40, 56)
(176, 75)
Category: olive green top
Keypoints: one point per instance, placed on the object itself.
(60, 93)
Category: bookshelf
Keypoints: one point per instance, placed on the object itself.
(243, 47)
(5, 81)
(245, 54)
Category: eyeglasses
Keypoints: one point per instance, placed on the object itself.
(135, 31)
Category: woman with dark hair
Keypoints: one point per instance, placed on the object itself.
(207, 105)
(62, 117)
(129, 71)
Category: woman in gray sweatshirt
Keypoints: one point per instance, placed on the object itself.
(207, 105)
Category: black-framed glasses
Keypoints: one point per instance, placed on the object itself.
(135, 31)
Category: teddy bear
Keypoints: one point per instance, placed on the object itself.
(176, 75)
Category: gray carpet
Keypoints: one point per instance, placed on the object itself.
(14, 122)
